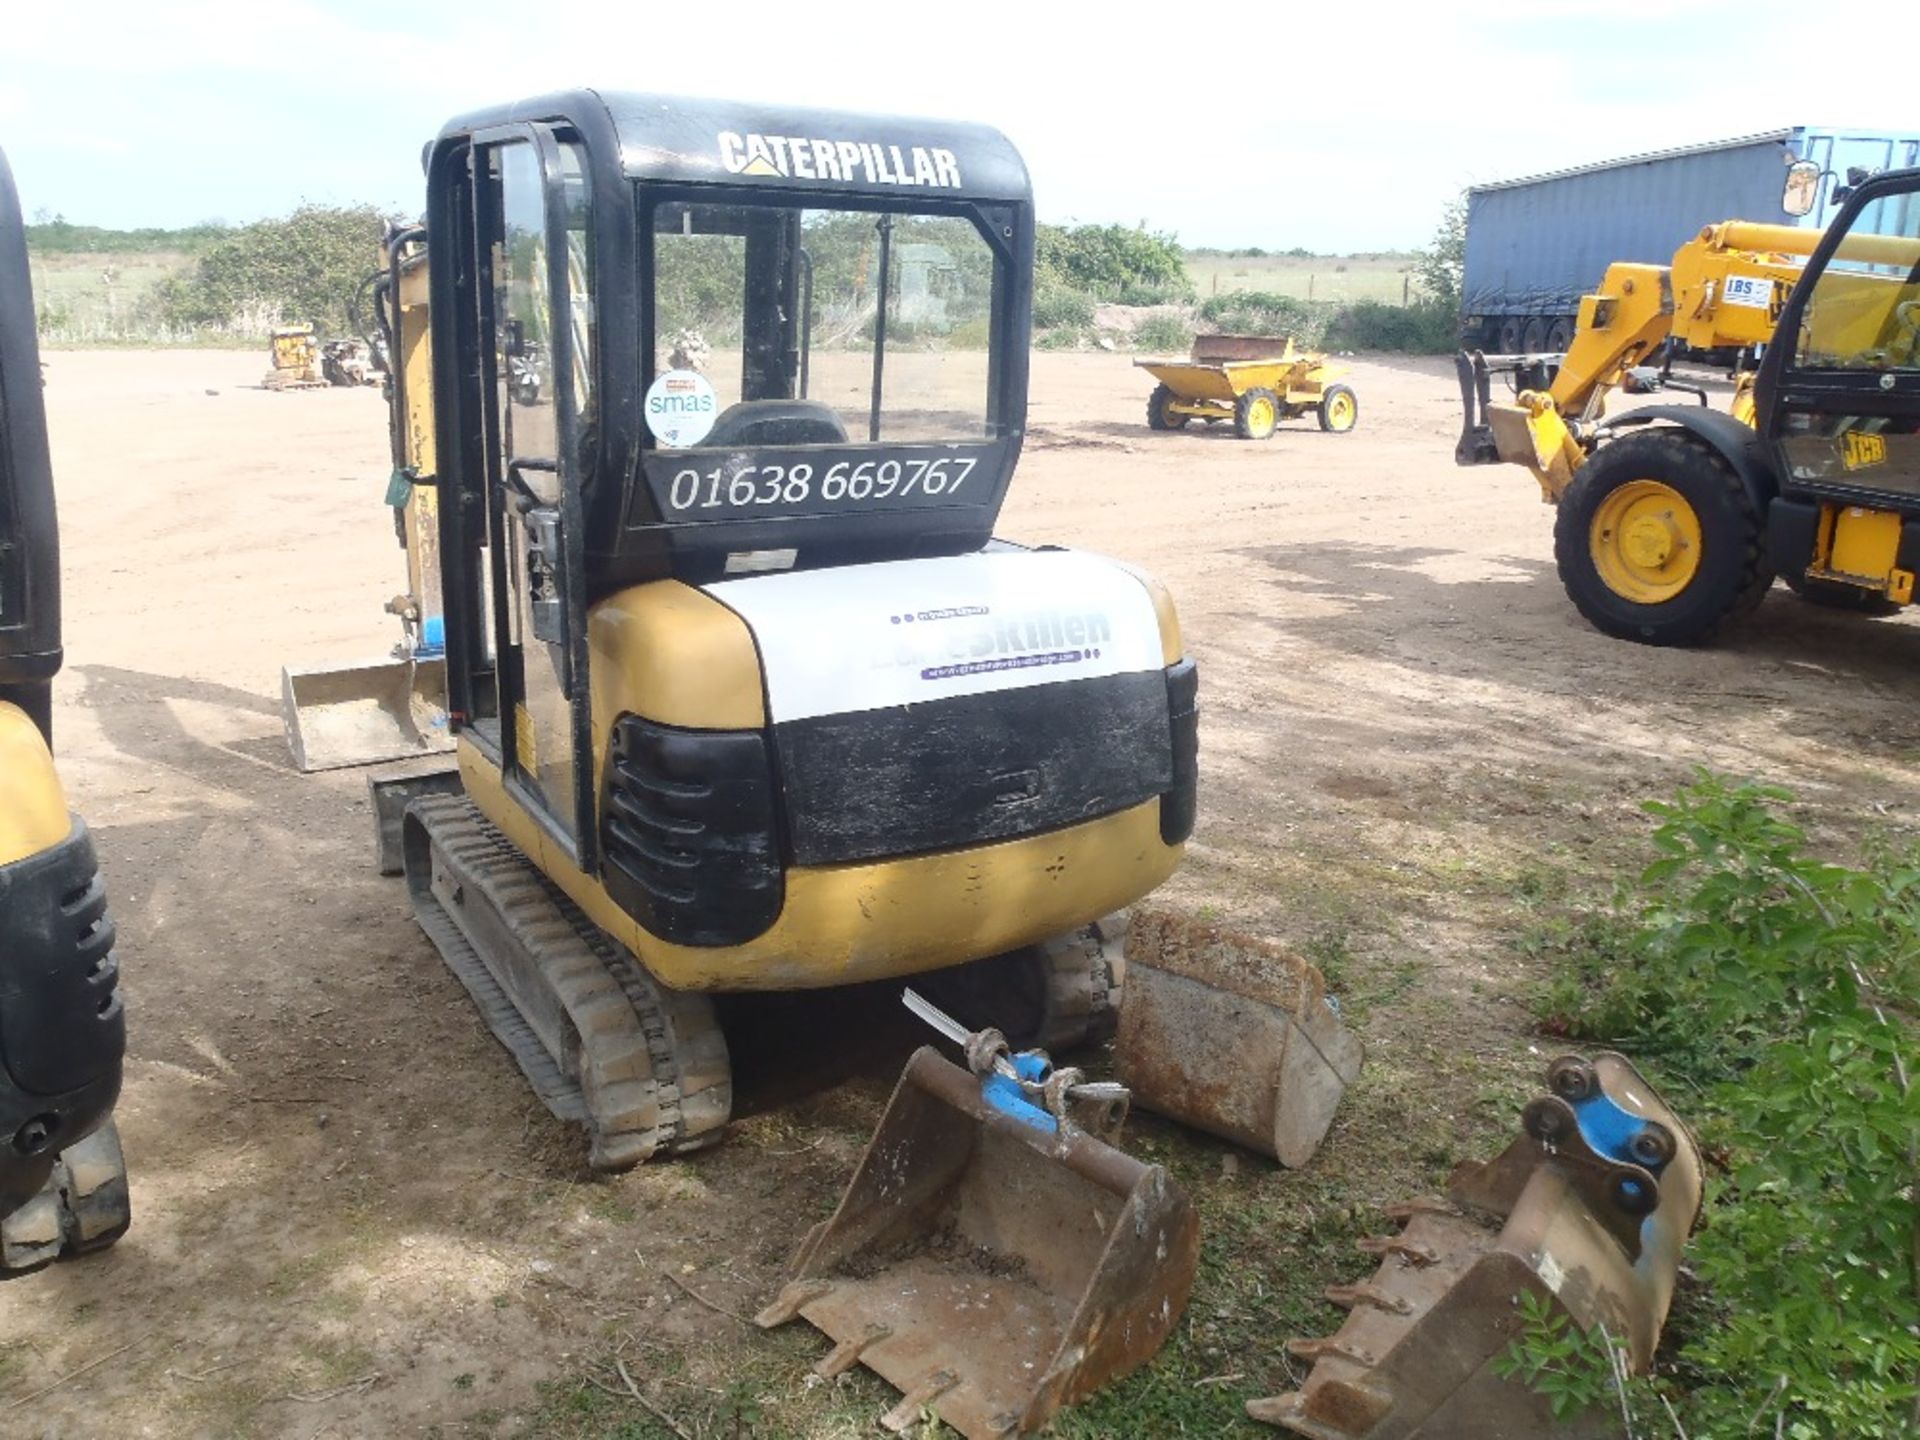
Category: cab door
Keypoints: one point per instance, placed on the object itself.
(536, 299)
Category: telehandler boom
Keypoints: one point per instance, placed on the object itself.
(1674, 520)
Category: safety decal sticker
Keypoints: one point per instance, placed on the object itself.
(680, 408)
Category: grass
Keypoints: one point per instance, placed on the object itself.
(99, 297)
(1318, 277)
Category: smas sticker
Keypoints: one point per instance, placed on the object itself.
(681, 408)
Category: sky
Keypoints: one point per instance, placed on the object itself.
(1348, 130)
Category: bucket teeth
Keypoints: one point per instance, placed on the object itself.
(791, 1301)
(1421, 1205)
(1408, 1250)
(907, 1412)
(1350, 1296)
(1334, 1346)
(844, 1356)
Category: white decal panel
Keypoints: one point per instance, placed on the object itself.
(1752, 292)
(868, 637)
(807, 157)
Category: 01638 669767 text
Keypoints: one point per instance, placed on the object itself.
(693, 489)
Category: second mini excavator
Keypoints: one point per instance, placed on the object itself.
(704, 414)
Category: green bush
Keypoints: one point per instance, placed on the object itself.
(1262, 312)
(1427, 327)
(1063, 337)
(1162, 334)
(306, 267)
(1055, 306)
(1775, 993)
(1107, 261)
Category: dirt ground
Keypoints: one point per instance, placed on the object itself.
(350, 1217)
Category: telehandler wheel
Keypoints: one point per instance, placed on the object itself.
(1256, 414)
(1657, 540)
(1160, 412)
(1339, 409)
(1835, 596)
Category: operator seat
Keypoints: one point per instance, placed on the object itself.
(776, 422)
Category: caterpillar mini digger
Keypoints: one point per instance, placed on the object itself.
(1674, 519)
(705, 413)
(63, 1187)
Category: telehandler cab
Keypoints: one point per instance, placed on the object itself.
(1674, 519)
(63, 1186)
(703, 416)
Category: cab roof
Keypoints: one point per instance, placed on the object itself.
(693, 141)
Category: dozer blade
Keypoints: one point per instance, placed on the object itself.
(644, 1068)
(341, 715)
(1588, 1211)
(989, 1267)
(1233, 1035)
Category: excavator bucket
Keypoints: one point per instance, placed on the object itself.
(1233, 1035)
(991, 1260)
(362, 714)
(1588, 1211)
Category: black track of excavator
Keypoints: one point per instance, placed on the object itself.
(642, 1067)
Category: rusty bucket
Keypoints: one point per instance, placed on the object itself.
(1233, 1035)
(1588, 1211)
(991, 1265)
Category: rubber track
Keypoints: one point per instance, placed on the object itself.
(633, 1039)
(64, 1218)
(1082, 984)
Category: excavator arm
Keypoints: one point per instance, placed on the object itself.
(1723, 290)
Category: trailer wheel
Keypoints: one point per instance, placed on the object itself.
(1512, 331)
(1657, 540)
(1160, 414)
(1533, 335)
(1256, 414)
(1835, 596)
(1559, 335)
(1339, 409)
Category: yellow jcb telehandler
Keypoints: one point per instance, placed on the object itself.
(1674, 519)
(63, 1185)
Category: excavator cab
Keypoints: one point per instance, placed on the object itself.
(745, 694)
(62, 1028)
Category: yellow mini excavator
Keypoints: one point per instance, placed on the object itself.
(1675, 519)
(703, 417)
(63, 1188)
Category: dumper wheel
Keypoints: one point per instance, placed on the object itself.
(1657, 540)
(1339, 409)
(1833, 595)
(1160, 412)
(1256, 414)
